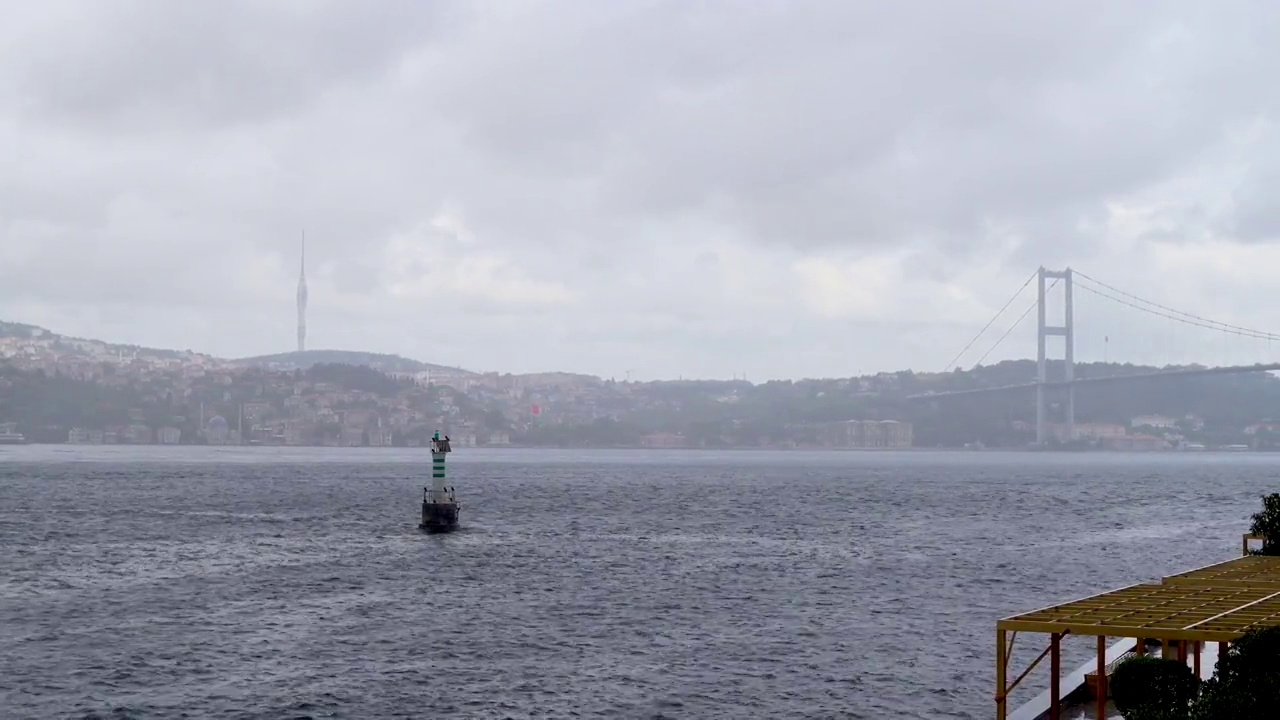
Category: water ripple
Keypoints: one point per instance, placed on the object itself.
(589, 586)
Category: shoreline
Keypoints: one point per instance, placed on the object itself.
(732, 448)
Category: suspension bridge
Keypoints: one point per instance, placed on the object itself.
(1070, 281)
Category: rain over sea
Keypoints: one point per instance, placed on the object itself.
(275, 583)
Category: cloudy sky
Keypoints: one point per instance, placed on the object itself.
(671, 188)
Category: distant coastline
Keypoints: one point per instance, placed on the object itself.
(729, 448)
(57, 389)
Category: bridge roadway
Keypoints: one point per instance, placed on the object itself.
(1188, 372)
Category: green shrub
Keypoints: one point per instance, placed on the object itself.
(1267, 524)
(1149, 688)
(1246, 681)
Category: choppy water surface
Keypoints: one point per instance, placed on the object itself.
(273, 584)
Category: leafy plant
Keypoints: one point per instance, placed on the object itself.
(1246, 682)
(1266, 523)
(1149, 688)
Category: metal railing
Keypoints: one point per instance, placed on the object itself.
(1091, 678)
(1244, 542)
(429, 495)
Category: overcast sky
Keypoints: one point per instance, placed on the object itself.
(699, 189)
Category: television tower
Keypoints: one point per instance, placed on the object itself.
(302, 297)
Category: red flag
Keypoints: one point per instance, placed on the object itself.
(536, 410)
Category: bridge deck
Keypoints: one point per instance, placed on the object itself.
(1226, 370)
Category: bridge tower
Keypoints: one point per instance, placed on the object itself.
(1067, 331)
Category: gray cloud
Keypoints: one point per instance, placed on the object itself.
(672, 187)
(142, 66)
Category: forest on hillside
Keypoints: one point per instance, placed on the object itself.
(788, 410)
(706, 413)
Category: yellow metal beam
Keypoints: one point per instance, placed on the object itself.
(1215, 603)
(1249, 571)
(1165, 611)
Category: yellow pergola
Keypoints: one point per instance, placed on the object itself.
(1216, 603)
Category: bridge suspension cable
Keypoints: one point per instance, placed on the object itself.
(1015, 324)
(1169, 313)
(991, 322)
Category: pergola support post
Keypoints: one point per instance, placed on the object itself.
(1102, 677)
(1002, 666)
(1055, 673)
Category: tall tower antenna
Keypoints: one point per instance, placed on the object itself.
(302, 296)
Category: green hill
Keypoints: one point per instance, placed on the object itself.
(377, 361)
(70, 344)
(280, 361)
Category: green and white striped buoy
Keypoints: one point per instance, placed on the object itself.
(437, 461)
(439, 449)
(439, 508)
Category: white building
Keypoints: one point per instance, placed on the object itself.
(1155, 421)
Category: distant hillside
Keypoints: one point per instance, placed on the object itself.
(78, 345)
(279, 361)
(13, 329)
(562, 378)
(377, 361)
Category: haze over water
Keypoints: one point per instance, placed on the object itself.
(269, 583)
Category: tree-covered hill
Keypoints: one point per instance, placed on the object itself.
(45, 402)
(378, 361)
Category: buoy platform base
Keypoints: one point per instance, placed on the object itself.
(439, 517)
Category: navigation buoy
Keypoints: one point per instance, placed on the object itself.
(439, 506)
